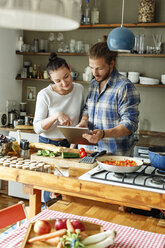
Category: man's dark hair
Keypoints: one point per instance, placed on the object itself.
(101, 50)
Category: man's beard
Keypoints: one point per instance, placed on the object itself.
(106, 76)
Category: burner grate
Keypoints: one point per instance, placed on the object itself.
(141, 179)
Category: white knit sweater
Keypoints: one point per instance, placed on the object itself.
(49, 102)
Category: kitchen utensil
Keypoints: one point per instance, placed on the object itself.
(119, 169)
(90, 159)
(157, 157)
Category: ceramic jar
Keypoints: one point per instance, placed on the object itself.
(146, 11)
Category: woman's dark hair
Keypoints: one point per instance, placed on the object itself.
(101, 50)
(55, 62)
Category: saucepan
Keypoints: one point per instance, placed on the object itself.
(157, 157)
(119, 169)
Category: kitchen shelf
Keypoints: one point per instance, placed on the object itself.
(87, 82)
(129, 25)
(48, 54)
(161, 55)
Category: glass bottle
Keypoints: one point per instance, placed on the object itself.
(36, 45)
(95, 13)
(20, 44)
(35, 71)
(87, 18)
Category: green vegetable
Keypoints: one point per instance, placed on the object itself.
(72, 240)
(47, 153)
(70, 155)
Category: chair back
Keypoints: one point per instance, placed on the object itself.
(12, 214)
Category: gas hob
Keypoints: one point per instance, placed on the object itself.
(147, 178)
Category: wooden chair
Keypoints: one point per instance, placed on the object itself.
(13, 214)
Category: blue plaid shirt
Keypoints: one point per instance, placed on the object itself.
(117, 104)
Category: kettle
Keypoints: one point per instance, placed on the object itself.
(12, 115)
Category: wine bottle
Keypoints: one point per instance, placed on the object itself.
(87, 18)
(95, 13)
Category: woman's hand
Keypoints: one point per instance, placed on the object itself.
(64, 119)
(94, 136)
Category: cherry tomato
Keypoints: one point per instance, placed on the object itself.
(83, 154)
(81, 150)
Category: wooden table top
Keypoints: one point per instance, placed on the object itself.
(111, 214)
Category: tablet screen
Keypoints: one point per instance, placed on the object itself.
(74, 134)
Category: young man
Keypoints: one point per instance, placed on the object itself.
(111, 109)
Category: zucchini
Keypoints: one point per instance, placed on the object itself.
(70, 155)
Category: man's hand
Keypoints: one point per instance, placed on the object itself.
(94, 136)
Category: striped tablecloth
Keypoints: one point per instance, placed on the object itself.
(127, 237)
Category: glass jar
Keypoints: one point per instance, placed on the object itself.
(146, 11)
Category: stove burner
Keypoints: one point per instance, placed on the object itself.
(157, 180)
(119, 175)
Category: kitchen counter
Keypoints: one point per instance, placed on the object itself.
(34, 182)
(150, 138)
(10, 128)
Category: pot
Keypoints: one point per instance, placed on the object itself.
(157, 157)
(119, 169)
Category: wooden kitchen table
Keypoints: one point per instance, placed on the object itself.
(34, 182)
(111, 214)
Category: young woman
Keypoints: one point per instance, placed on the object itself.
(59, 103)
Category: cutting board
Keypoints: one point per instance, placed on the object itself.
(24, 127)
(63, 162)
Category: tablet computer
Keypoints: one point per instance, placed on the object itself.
(74, 134)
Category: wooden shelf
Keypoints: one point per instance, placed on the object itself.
(129, 25)
(87, 82)
(48, 54)
(161, 55)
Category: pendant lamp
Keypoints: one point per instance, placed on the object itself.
(41, 15)
(121, 39)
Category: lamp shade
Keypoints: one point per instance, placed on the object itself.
(42, 15)
(121, 39)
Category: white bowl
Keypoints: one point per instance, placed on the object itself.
(149, 81)
(123, 73)
(133, 73)
(134, 78)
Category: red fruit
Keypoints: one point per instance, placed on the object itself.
(81, 150)
(83, 154)
(42, 227)
(60, 224)
(78, 225)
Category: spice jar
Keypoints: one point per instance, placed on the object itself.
(146, 11)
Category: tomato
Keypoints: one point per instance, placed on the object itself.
(83, 154)
(120, 162)
(81, 150)
(60, 224)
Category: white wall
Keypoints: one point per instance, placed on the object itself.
(10, 64)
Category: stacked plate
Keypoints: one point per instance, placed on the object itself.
(149, 81)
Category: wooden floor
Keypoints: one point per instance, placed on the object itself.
(6, 201)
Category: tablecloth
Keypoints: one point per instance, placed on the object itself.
(127, 237)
